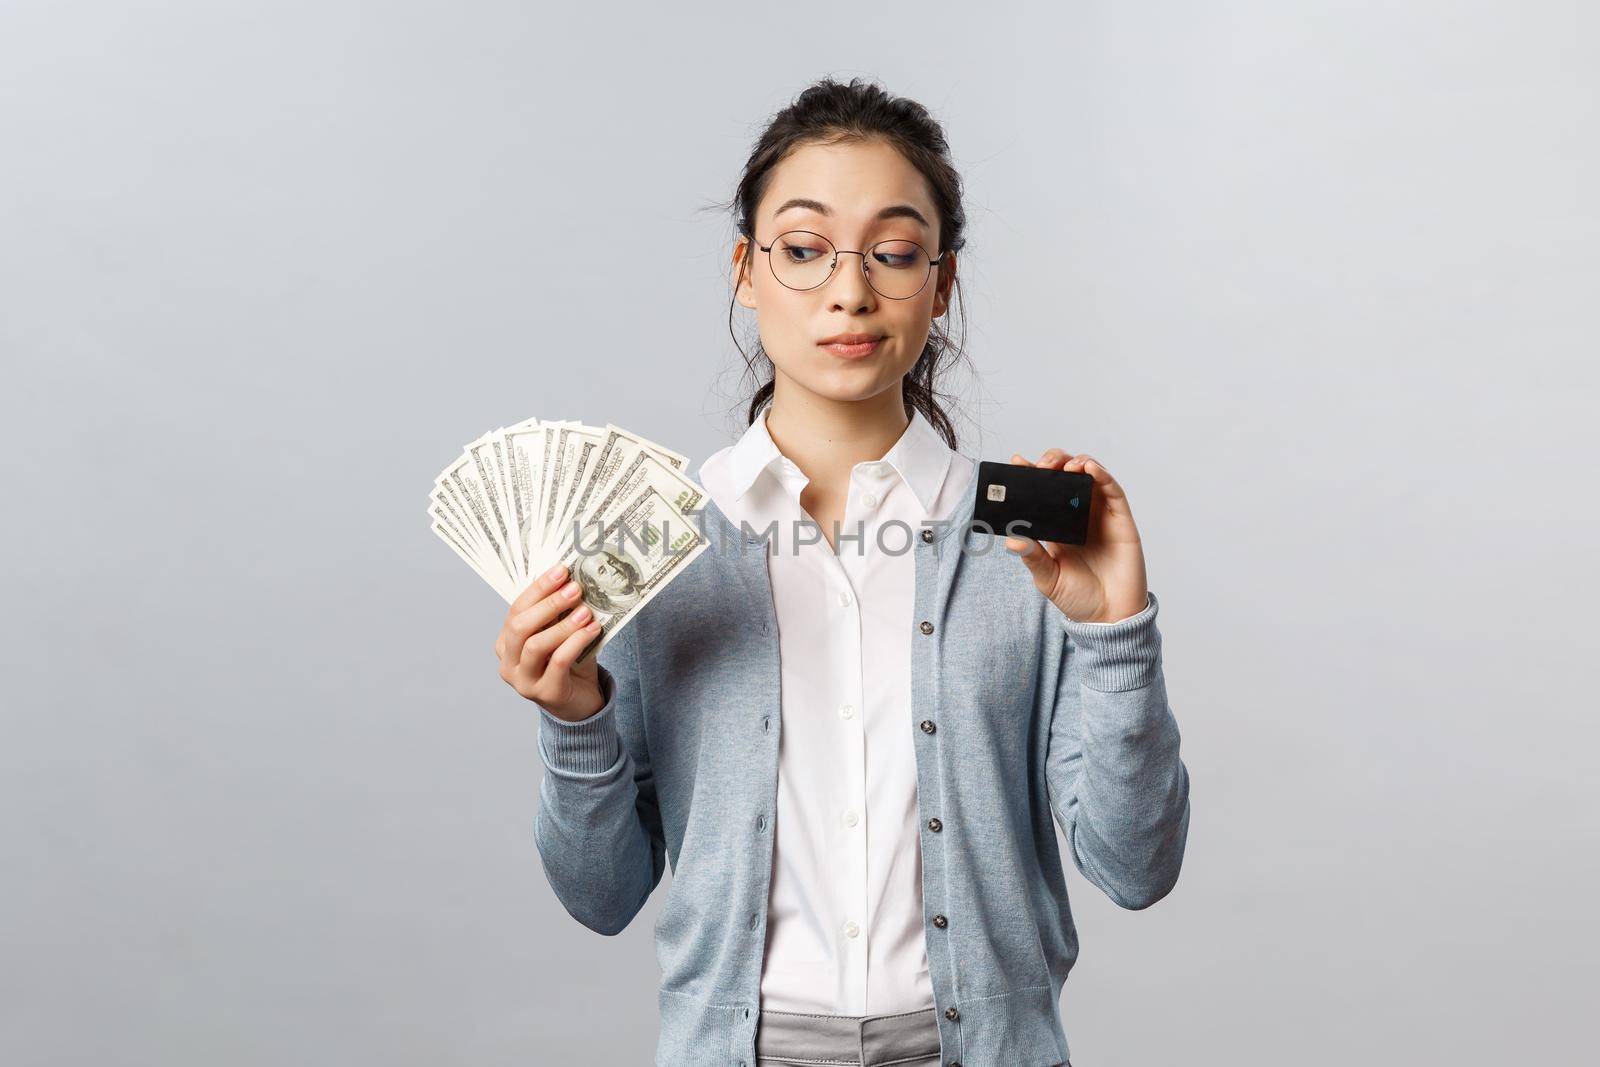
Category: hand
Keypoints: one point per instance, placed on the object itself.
(1103, 579)
(540, 642)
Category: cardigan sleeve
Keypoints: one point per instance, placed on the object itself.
(1117, 784)
(598, 830)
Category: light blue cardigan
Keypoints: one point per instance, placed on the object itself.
(1017, 712)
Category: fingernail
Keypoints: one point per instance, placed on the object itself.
(570, 590)
(552, 573)
(581, 612)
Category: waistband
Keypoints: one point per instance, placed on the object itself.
(857, 1040)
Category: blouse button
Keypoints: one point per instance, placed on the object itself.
(869, 499)
(926, 627)
(935, 825)
(844, 599)
(927, 726)
(952, 1014)
(940, 921)
(927, 535)
(846, 710)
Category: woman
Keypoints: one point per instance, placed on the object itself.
(884, 885)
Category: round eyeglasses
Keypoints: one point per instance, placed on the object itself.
(896, 269)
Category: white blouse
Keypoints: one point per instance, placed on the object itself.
(845, 916)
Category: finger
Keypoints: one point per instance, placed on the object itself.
(1031, 549)
(567, 653)
(1020, 545)
(1107, 485)
(540, 615)
(1111, 499)
(537, 589)
(536, 651)
(1037, 557)
(1054, 458)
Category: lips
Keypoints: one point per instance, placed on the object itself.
(852, 345)
(859, 350)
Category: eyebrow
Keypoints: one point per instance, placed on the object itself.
(893, 211)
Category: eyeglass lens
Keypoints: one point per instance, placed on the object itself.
(804, 260)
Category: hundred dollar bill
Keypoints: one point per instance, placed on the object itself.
(463, 478)
(496, 581)
(617, 447)
(442, 514)
(583, 444)
(481, 452)
(523, 452)
(558, 460)
(517, 498)
(641, 470)
(623, 556)
(495, 452)
(483, 561)
(458, 507)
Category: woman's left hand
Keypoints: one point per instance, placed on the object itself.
(1103, 579)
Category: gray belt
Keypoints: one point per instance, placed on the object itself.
(858, 1040)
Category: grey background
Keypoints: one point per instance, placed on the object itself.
(1315, 280)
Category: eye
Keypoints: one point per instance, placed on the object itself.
(898, 254)
(800, 251)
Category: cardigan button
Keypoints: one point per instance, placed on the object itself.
(928, 727)
(951, 1014)
(940, 921)
(927, 627)
(935, 825)
(927, 536)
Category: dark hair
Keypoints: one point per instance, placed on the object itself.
(831, 112)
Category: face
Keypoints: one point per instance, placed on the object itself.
(843, 187)
(604, 574)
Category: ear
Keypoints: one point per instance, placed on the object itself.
(744, 289)
(947, 280)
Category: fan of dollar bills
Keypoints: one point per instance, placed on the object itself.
(610, 505)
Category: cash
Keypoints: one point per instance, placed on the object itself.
(615, 508)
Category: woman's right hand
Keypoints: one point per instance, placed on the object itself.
(537, 648)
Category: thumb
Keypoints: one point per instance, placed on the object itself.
(1040, 563)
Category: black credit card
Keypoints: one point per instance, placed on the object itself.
(1019, 501)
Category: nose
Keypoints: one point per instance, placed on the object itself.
(849, 281)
